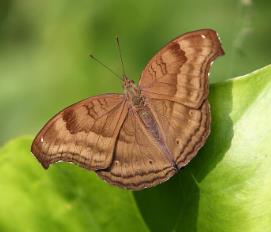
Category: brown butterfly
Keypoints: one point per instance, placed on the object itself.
(142, 137)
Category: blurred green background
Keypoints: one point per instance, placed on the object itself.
(44, 48)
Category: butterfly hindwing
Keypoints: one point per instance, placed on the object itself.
(185, 129)
(138, 161)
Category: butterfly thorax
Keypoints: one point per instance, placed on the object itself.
(132, 93)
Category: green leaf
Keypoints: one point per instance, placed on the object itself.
(64, 198)
(227, 187)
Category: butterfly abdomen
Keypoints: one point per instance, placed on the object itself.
(151, 126)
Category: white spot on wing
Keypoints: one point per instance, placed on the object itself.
(203, 36)
(41, 140)
(218, 36)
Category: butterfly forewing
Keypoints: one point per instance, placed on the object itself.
(84, 133)
(179, 71)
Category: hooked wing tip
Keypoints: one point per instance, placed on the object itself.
(38, 154)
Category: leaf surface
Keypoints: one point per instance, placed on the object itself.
(227, 187)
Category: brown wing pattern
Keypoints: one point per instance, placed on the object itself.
(137, 144)
(138, 161)
(185, 129)
(84, 133)
(179, 71)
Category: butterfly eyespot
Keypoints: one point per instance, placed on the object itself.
(117, 162)
(191, 113)
(177, 141)
(150, 161)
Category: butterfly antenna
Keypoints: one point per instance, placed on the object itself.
(120, 54)
(108, 68)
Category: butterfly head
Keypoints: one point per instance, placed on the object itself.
(131, 91)
(127, 83)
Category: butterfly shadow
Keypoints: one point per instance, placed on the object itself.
(174, 205)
